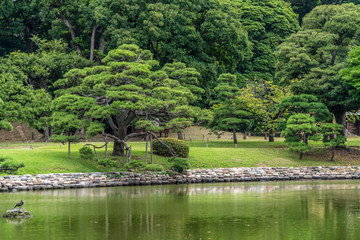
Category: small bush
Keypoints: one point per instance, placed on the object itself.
(86, 153)
(135, 165)
(109, 163)
(181, 148)
(179, 165)
(154, 168)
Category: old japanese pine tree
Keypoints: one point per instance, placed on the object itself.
(228, 109)
(124, 91)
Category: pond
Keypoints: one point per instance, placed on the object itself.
(273, 210)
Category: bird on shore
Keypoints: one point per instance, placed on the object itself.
(19, 204)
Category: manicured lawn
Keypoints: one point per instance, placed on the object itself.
(254, 152)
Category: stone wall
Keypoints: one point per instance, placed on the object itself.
(110, 179)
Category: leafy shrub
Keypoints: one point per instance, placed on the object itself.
(86, 153)
(179, 165)
(181, 148)
(154, 168)
(136, 165)
(109, 163)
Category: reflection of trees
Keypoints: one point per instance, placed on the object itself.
(271, 210)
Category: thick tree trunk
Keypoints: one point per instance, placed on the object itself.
(340, 118)
(119, 147)
(271, 136)
(301, 156)
(47, 132)
(234, 136)
(245, 135)
(180, 136)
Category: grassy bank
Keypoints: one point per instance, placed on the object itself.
(254, 152)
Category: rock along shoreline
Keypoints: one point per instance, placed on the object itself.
(13, 183)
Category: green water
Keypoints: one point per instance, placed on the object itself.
(277, 210)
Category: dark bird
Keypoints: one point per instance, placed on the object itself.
(19, 204)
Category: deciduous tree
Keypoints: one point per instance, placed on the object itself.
(310, 60)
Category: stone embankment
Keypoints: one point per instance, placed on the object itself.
(110, 179)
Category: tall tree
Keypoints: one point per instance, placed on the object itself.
(303, 7)
(268, 23)
(41, 69)
(17, 100)
(351, 73)
(261, 100)
(311, 59)
(20, 21)
(299, 128)
(228, 110)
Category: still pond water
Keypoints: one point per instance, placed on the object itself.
(275, 210)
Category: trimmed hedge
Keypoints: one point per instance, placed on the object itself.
(180, 147)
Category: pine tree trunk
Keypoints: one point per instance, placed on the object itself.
(234, 137)
(301, 156)
(146, 147)
(340, 118)
(180, 136)
(119, 147)
(69, 149)
(271, 136)
(151, 149)
(332, 154)
(245, 134)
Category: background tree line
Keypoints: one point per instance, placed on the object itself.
(240, 59)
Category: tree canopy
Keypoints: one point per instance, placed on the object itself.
(310, 59)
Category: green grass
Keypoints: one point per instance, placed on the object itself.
(253, 152)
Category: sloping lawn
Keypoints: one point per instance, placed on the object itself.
(254, 152)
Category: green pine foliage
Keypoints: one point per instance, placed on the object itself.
(299, 128)
(305, 103)
(125, 91)
(332, 137)
(180, 147)
(229, 111)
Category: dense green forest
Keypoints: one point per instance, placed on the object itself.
(236, 65)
